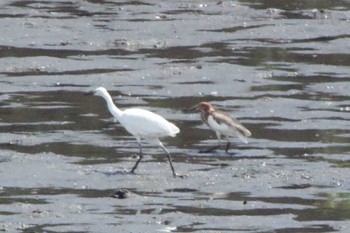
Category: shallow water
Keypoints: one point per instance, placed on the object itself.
(279, 67)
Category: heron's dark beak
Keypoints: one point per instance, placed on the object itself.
(90, 93)
(195, 107)
(191, 109)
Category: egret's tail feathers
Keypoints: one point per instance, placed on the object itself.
(174, 130)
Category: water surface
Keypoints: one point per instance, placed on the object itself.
(281, 68)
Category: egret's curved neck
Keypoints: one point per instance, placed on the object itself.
(116, 112)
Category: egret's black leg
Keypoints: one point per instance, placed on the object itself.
(138, 161)
(171, 165)
(169, 158)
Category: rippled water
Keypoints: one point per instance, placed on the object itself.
(281, 67)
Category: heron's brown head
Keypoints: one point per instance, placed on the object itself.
(203, 106)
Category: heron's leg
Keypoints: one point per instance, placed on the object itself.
(214, 147)
(227, 146)
(169, 158)
(138, 161)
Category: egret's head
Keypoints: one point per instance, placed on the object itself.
(100, 91)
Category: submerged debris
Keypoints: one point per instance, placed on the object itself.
(121, 194)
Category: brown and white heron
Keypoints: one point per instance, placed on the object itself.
(222, 123)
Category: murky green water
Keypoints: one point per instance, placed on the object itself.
(279, 67)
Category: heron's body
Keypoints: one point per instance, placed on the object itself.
(222, 124)
(141, 123)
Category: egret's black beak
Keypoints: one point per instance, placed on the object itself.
(90, 93)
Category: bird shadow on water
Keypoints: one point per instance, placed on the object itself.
(115, 173)
(217, 151)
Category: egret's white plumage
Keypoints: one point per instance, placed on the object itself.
(141, 123)
(146, 124)
(222, 124)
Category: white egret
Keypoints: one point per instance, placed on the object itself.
(140, 123)
(222, 124)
